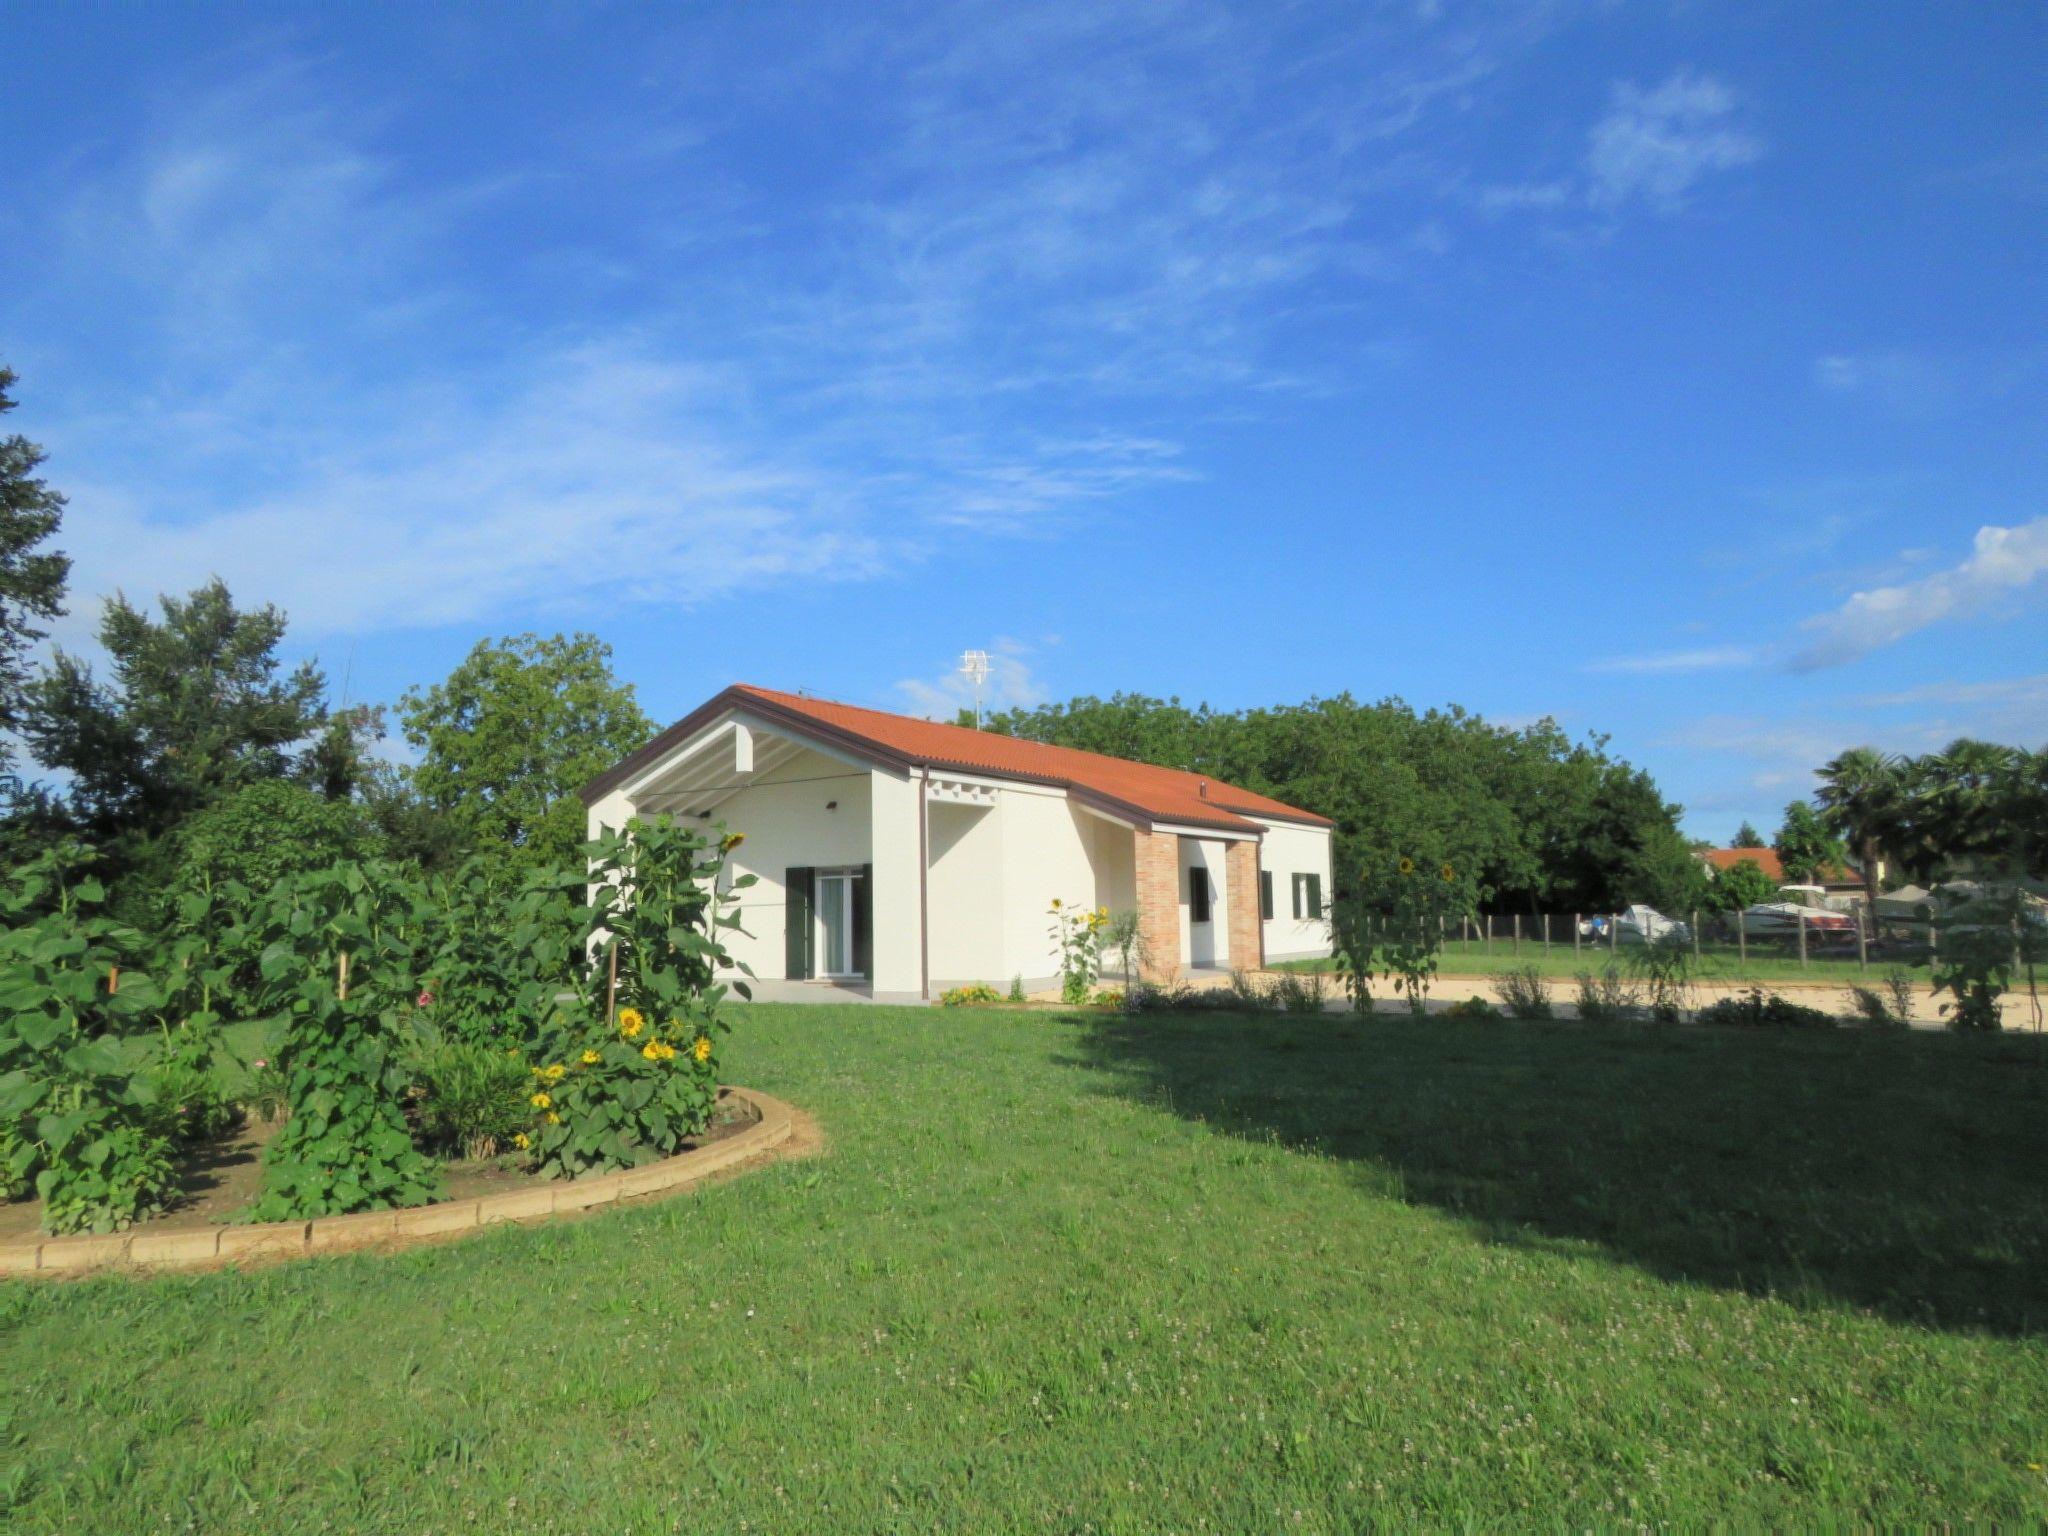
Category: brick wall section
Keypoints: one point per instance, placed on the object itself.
(1246, 934)
(1157, 862)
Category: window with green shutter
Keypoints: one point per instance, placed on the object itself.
(1266, 895)
(797, 925)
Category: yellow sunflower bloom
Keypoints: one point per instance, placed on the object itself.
(540, 1101)
(702, 1049)
(591, 1058)
(630, 1022)
(1448, 873)
(553, 1118)
(555, 1073)
(521, 1140)
(1407, 866)
(651, 1050)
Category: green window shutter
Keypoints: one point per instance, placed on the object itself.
(1266, 895)
(1315, 895)
(796, 910)
(864, 922)
(1296, 887)
(1198, 894)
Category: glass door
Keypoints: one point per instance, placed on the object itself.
(835, 923)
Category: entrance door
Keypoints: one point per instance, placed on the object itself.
(1202, 945)
(842, 912)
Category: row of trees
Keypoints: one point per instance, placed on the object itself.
(1537, 820)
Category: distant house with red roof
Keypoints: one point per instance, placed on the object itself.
(895, 858)
(1837, 880)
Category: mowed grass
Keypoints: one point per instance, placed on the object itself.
(1067, 1272)
(1766, 961)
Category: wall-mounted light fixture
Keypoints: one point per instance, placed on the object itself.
(831, 805)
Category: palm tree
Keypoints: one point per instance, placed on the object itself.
(1861, 799)
(1963, 785)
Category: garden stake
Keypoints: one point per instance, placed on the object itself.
(611, 983)
(113, 979)
(341, 984)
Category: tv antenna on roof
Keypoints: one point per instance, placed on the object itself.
(974, 664)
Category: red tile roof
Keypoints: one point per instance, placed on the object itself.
(1142, 790)
(1766, 859)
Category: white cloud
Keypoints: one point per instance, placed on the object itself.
(1903, 383)
(1654, 146)
(1705, 659)
(2002, 561)
(1010, 685)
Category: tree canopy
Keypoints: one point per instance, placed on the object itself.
(1543, 821)
(31, 578)
(516, 729)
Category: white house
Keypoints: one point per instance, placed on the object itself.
(895, 857)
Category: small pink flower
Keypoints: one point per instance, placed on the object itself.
(259, 1064)
(424, 1000)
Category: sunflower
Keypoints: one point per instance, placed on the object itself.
(1407, 866)
(591, 1058)
(521, 1140)
(540, 1101)
(702, 1049)
(1449, 874)
(631, 1022)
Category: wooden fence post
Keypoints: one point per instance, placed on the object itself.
(1695, 935)
(1741, 943)
(1516, 941)
(1575, 938)
(1613, 933)
(1862, 943)
(1802, 938)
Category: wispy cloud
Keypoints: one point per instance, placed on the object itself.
(1705, 659)
(1010, 684)
(1654, 146)
(2002, 562)
(1651, 150)
(1903, 383)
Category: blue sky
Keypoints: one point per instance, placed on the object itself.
(1675, 370)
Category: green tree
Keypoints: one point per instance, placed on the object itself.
(1861, 795)
(262, 832)
(513, 733)
(1806, 849)
(198, 705)
(1747, 836)
(31, 579)
(1743, 884)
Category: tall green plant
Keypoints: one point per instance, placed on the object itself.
(634, 1073)
(341, 958)
(1392, 924)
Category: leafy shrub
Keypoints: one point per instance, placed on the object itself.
(180, 1092)
(620, 1092)
(1608, 998)
(19, 1158)
(973, 992)
(1109, 997)
(103, 1170)
(1251, 994)
(1758, 1009)
(1891, 1008)
(1016, 989)
(1472, 1008)
(269, 1091)
(501, 950)
(1301, 992)
(1524, 992)
(472, 1098)
(1664, 969)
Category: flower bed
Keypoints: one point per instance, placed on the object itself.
(167, 1246)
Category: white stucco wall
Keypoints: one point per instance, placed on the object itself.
(1289, 849)
(966, 895)
(1049, 849)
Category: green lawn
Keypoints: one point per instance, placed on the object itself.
(1762, 962)
(1179, 1272)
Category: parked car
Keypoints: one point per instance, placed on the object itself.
(1639, 924)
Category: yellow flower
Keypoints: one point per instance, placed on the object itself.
(1055, 903)
(553, 1118)
(540, 1101)
(630, 1022)
(732, 840)
(1407, 866)
(591, 1058)
(702, 1049)
(1448, 873)
(521, 1140)
(657, 1050)
(555, 1073)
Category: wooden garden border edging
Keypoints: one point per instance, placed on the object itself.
(203, 1247)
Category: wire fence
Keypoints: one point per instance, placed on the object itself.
(1729, 943)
